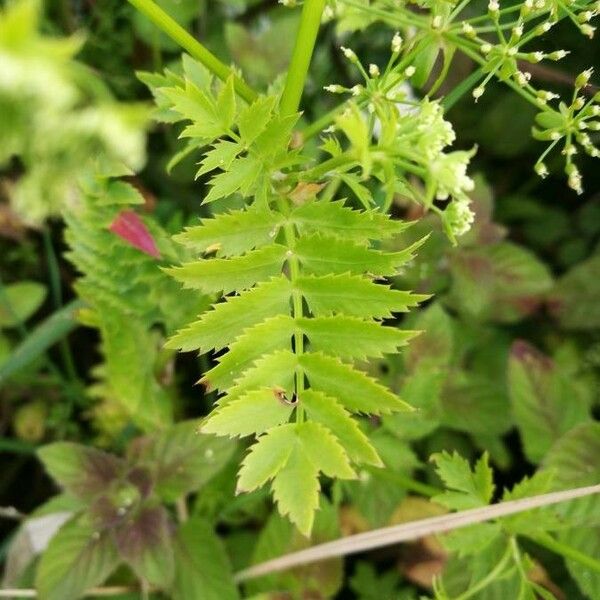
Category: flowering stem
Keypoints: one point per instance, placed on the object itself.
(178, 34)
(301, 56)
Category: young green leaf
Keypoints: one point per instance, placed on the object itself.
(354, 295)
(266, 457)
(296, 484)
(264, 338)
(254, 118)
(321, 255)
(243, 172)
(255, 412)
(356, 391)
(219, 327)
(226, 103)
(275, 371)
(233, 233)
(470, 488)
(351, 337)
(327, 411)
(221, 156)
(337, 219)
(228, 274)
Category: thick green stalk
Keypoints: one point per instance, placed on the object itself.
(178, 34)
(301, 56)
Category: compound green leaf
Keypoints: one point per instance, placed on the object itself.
(219, 327)
(226, 103)
(243, 172)
(356, 391)
(470, 488)
(229, 274)
(296, 485)
(264, 338)
(351, 337)
(266, 457)
(355, 296)
(334, 218)
(275, 371)
(296, 489)
(323, 450)
(327, 411)
(322, 255)
(233, 233)
(194, 105)
(254, 118)
(220, 157)
(255, 412)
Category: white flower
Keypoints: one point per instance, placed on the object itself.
(574, 180)
(410, 71)
(459, 217)
(349, 54)
(541, 169)
(583, 78)
(450, 173)
(468, 29)
(588, 30)
(396, 43)
(478, 92)
(374, 70)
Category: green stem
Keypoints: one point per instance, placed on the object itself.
(297, 308)
(301, 56)
(491, 576)
(566, 551)
(178, 34)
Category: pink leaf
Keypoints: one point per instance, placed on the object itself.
(129, 227)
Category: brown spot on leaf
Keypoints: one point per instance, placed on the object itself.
(281, 395)
(305, 191)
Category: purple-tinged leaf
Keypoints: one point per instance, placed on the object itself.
(144, 542)
(129, 227)
(83, 472)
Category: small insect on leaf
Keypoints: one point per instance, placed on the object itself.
(129, 227)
